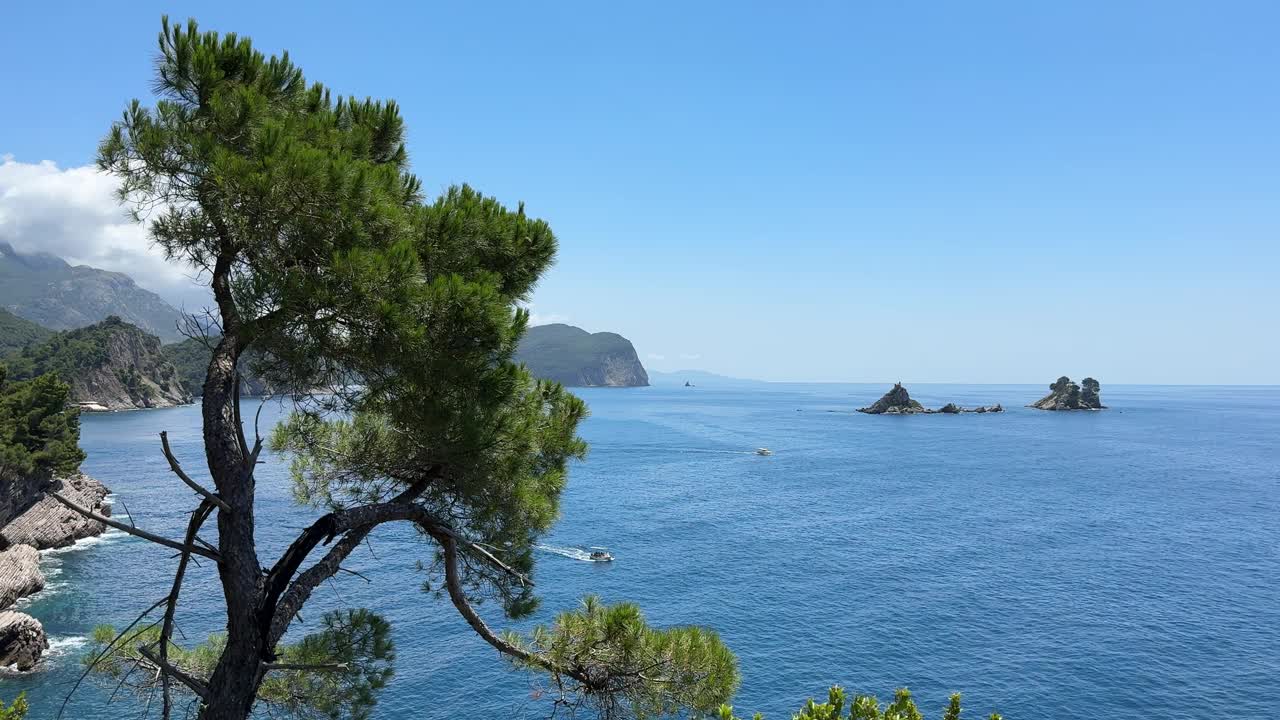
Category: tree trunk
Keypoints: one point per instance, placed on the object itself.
(234, 683)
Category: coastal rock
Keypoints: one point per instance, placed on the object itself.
(17, 493)
(22, 640)
(1066, 395)
(895, 402)
(20, 574)
(898, 402)
(49, 524)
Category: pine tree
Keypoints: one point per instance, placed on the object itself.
(331, 270)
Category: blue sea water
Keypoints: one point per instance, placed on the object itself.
(1123, 563)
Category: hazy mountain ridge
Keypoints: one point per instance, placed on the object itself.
(51, 292)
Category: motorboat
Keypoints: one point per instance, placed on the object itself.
(763, 451)
(600, 555)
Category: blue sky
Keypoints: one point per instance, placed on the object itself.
(981, 192)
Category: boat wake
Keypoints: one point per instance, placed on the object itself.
(670, 449)
(572, 553)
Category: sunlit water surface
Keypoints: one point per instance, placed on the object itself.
(1115, 564)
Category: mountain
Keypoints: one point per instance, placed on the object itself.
(17, 333)
(574, 357)
(699, 378)
(111, 364)
(46, 290)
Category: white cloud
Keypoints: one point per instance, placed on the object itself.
(655, 356)
(687, 356)
(537, 318)
(73, 213)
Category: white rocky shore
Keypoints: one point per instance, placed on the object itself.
(33, 523)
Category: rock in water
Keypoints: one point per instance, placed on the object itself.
(20, 574)
(895, 402)
(898, 402)
(50, 524)
(22, 640)
(1066, 395)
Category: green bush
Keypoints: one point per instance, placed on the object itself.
(863, 707)
(39, 434)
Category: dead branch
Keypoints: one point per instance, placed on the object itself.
(269, 667)
(166, 631)
(89, 667)
(166, 542)
(176, 467)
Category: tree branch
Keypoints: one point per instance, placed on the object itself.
(453, 583)
(133, 530)
(166, 630)
(269, 667)
(278, 610)
(176, 467)
(167, 669)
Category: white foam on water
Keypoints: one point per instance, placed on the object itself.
(48, 591)
(83, 543)
(58, 647)
(569, 552)
(65, 645)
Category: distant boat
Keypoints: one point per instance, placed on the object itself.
(688, 384)
(763, 451)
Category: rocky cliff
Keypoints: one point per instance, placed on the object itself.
(1066, 395)
(576, 358)
(22, 640)
(898, 402)
(47, 523)
(112, 364)
(25, 529)
(20, 574)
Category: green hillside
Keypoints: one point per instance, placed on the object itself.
(112, 363)
(17, 333)
(191, 358)
(572, 356)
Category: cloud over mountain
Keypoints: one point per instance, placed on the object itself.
(73, 213)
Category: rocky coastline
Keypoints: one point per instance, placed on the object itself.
(31, 520)
(898, 402)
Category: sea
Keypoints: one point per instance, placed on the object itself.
(1049, 566)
